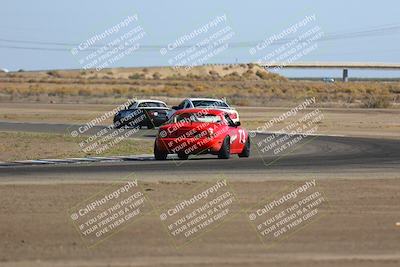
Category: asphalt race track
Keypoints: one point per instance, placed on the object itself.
(321, 154)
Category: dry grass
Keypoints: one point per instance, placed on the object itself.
(244, 84)
(22, 145)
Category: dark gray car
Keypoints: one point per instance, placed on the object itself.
(149, 113)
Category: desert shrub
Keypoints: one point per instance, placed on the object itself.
(117, 91)
(233, 75)
(156, 76)
(136, 76)
(264, 75)
(84, 92)
(251, 65)
(213, 73)
(200, 88)
(394, 90)
(248, 74)
(174, 77)
(193, 76)
(53, 73)
(370, 91)
(376, 101)
(61, 91)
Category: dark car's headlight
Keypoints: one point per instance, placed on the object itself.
(117, 116)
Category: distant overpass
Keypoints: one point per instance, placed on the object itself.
(335, 65)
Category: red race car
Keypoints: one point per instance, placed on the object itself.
(201, 131)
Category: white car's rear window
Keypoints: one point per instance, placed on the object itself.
(191, 117)
(151, 105)
(209, 103)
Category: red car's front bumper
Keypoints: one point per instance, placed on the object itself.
(189, 145)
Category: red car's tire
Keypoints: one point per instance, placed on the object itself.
(159, 155)
(225, 151)
(246, 149)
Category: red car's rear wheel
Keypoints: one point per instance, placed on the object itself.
(246, 149)
(158, 154)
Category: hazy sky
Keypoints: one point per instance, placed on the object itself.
(363, 30)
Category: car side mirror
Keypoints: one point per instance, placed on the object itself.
(237, 124)
(175, 107)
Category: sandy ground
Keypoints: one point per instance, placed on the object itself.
(356, 227)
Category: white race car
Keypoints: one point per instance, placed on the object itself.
(207, 103)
